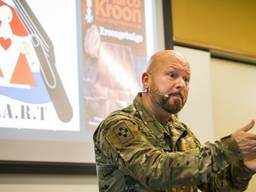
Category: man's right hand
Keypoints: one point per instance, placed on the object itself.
(246, 141)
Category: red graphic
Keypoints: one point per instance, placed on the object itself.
(22, 68)
(16, 24)
(5, 43)
(14, 65)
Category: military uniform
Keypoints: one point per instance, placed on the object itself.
(135, 153)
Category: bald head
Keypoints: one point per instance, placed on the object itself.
(166, 56)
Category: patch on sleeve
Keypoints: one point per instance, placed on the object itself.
(122, 134)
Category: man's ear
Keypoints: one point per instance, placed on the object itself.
(145, 78)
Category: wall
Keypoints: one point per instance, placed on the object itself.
(49, 183)
(224, 25)
(234, 93)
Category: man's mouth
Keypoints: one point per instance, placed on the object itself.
(179, 95)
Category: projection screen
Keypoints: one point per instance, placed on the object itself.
(64, 65)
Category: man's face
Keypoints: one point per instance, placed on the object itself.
(169, 81)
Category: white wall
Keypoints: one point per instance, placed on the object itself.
(234, 98)
(47, 183)
(234, 94)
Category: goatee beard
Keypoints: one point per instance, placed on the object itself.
(175, 107)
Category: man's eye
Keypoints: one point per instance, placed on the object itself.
(186, 79)
(172, 74)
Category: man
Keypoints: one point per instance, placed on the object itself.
(145, 148)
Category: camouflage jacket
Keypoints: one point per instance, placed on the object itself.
(135, 153)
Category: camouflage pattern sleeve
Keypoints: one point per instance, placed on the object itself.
(234, 178)
(132, 152)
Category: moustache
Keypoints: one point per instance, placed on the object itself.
(168, 95)
(174, 94)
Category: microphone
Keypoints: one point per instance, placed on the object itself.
(156, 91)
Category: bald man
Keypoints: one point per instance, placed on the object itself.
(145, 148)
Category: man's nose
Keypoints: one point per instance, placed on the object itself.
(180, 83)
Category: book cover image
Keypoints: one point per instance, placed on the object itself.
(35, 91)
(114, 55)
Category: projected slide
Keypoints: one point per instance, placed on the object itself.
(64, 66)
(35, 69)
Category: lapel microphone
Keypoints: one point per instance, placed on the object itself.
(155, 91)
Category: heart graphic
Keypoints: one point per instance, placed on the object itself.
(6, 43)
